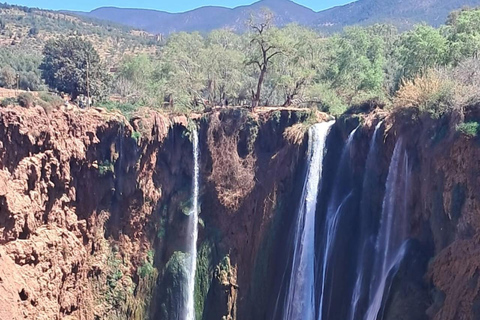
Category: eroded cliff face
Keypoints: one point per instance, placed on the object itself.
(77, 213)
(93, 212)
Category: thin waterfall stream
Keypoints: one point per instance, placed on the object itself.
(393, 233)
(370, 164)
(193, 231)
(336, 204)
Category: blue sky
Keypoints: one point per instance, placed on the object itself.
(167, 5)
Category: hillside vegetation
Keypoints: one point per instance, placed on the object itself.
(432, 69)
(24, 32)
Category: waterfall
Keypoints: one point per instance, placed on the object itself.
(393, 233)
(369, 167)
(193, 231)
(300, 298)
(334, 210)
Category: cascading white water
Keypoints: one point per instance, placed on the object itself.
(331, 224)
(300, 298)
(193, 230)
(393, 233)
(357, 291)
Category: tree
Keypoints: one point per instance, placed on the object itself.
(181, 75)
(421, 49)
(225, 76)
(72, 65)
(8, 77)
(463, 34)
(295, 69)
(356, 64)
(134, 77)
(266, 45)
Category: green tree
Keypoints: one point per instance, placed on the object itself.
(8, 77)
(420, 49)
(295, 69)
(225, 76)
(463, 34)
(134, 78)
(357, 62)
(181, 75)
(72, 65)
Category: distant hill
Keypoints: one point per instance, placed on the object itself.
(204, 18)
(25, 31)
(403, 13)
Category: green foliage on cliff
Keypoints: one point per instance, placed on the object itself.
(203, 277)
(104, 167)
(469, 128)
(172, 289)
(147, 269)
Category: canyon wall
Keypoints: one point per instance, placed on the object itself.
(94, 212)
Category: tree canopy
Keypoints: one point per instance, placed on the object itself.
(72, 65)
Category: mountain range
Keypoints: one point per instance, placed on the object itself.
(402, 13)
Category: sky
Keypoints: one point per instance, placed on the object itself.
(165, 5)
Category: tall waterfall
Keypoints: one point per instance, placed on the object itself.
(393, 233)
(370, 166)
(300, 298)
(334, 210)
(193, 231)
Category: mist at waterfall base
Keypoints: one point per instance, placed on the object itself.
(351, 231)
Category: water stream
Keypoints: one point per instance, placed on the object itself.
(336, 204)
(193, 231)
(393, 233)
(300, 298)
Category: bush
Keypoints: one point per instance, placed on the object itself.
(105, 167)
(429, 93)
(147, 269)
(8, 102)
(469, 128)
(127, 109)
(136, 136)
(51, 99)
(327, 99)
(31, 81)
(25, 99)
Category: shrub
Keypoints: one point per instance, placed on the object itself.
(127, 109)
(136, 136)
(147, 269)
(105, 167)
(31, 81)
(429, 93)
(51, 99)
(8, 102)
(326, 99)
(25, 99)
(469, 128)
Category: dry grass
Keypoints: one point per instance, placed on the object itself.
(431, 92)
(233, 175)
(296, 133)
(419, 91)
(441, 90)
